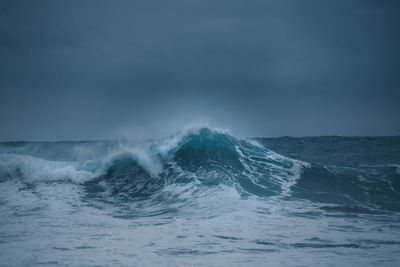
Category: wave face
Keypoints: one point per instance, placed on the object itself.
(201, 159)
(203, 192)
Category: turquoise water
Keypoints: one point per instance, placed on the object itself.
(201, 197)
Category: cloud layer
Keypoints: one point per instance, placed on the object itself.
(92, 69)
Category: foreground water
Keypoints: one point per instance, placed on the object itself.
(201, 197)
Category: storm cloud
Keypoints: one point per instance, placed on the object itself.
(93, 69)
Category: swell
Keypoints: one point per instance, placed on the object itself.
(361, 189)
(201, 159)
(199, 162)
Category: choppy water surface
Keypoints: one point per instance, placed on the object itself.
(201, 197)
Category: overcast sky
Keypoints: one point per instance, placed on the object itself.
(101, 69)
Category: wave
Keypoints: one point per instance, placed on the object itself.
(204, 156)
(361, 189)
(198, 162)
(31, 169)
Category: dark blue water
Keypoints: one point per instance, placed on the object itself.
(201, 197)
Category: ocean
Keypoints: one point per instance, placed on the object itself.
(201, 197)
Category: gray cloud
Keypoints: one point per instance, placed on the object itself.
(85, 69)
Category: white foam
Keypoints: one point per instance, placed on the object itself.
(147, 161)
(285, 176)
(255, 143)
(35, 169)
(166, 145)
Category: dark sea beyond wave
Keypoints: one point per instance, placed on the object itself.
(201, 197)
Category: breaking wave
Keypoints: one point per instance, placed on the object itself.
(198, 162)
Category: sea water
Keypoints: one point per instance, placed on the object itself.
(201, 197)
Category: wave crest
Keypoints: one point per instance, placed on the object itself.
(202, 156)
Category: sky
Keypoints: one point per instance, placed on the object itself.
(84, 70)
